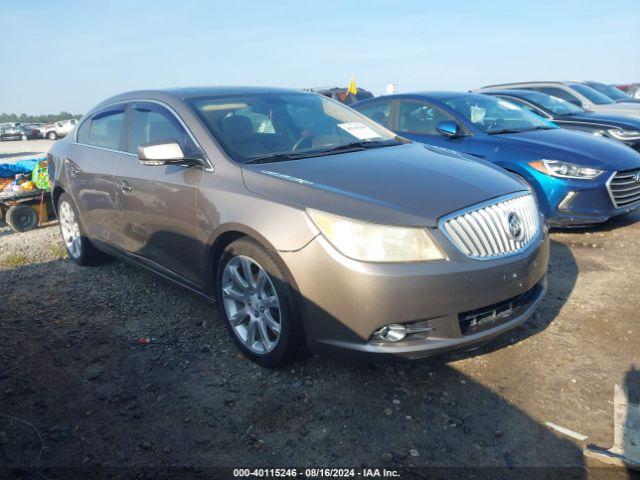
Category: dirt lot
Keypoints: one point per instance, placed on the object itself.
(73, 368)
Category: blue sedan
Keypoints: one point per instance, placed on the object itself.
(578, 178)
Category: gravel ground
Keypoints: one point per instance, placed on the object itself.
(73, 367)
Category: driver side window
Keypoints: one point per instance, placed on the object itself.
(420, 117)
(155, 124)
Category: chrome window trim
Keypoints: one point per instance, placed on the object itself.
(209, 167)
(488, 203)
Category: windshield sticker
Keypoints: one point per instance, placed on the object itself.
(477, 114)
(358, 130)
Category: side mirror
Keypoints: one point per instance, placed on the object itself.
(448, 129)
(165, 152)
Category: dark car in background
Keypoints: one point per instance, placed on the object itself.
(310, 225)
(342, 94)
(19, 132)
(568, 115)
(612, 92)
(578, 179)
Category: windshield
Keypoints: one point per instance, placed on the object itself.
(593, 95)
(555, 105)
(260, 126)
(610, 91)
(494, 115)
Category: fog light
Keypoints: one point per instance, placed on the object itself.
(392, 333)
(566, 201)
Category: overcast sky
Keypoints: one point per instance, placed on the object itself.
(69, 55)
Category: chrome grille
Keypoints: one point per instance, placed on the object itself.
(483, 232)
(624, 188)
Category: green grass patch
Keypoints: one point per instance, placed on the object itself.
(13, 260)
(58, 251)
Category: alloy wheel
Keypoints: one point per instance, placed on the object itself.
(70, 230)
(251, 304)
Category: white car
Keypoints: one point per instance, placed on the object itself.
(577, 93)
(58, 129)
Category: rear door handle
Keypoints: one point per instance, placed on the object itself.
(124, 187)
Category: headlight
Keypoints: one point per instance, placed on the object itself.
(370, 242)
(556, 168)
(622, 134)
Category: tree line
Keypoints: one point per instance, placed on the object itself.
(45, 118)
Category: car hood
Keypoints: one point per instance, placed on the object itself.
(576, 147)
(620, 121)
(411, 184)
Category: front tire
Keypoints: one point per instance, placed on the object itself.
(78, 246)
(24, 137)
(257, 303)
(52, 136)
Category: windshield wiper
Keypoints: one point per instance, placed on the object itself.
(506, 130)
(362, 145)
(279, 157)
(518, 130)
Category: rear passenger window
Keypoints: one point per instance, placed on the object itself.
(155, 124)
(379, 113)
(106, 129)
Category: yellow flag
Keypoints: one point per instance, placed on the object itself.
(352, 89)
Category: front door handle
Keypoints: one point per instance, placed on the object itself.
(124, 186)
(73, 170)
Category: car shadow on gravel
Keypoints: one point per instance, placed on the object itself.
(611, 224)
(115, 369)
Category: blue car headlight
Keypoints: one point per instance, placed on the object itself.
(560, 169)
(622, 134)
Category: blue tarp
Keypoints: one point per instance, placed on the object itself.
(10, 170)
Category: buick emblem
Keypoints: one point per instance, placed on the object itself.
(636, 177)
(515, 226)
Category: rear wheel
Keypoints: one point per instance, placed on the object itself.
(22, 218)
(257, 302)
(76, 242)
(24, 137)
(52, 136)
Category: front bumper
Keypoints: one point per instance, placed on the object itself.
(345, 301)
(572, 202)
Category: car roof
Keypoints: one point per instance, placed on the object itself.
(185, 93)
(508, 91)
(552, 82)
(436, 95)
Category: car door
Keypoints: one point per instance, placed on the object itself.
(90, 166)
(418, 120)
(158, 203)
